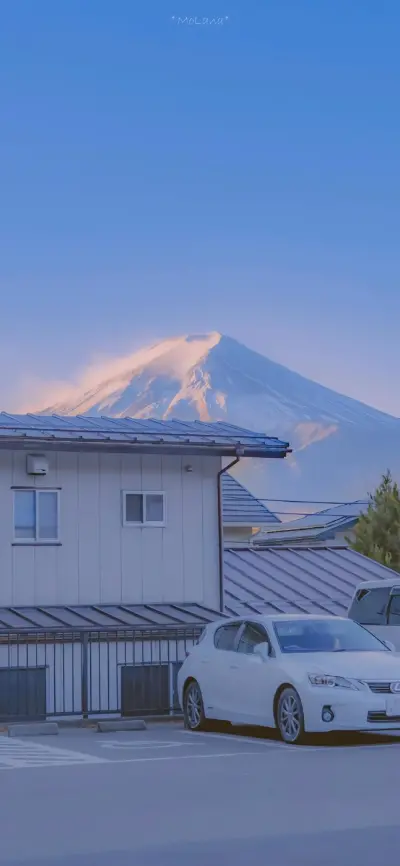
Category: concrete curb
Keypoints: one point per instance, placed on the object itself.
(33, 730)
(121, 725)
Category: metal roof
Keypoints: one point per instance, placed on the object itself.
(79, 432)
(240, 507)
(322, 525)
(100, 617)
(298, 580)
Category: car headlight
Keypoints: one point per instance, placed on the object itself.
(331, 682)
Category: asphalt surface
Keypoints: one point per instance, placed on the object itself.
(165, 796)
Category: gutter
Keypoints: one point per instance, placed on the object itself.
(125, 446)
(239, 454)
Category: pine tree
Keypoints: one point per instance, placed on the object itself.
(377, 533)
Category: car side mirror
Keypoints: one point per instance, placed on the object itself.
(262, 651)
(390, 646)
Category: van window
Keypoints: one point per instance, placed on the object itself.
(394, 610)
(369, 606)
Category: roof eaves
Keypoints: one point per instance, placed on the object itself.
(125, 434)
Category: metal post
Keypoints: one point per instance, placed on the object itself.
(221, 531)
(85, 675)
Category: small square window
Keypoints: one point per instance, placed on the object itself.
(47, 515)
(134, 508)
(154, 508)
(25, 514)
(143, 509)
(36, 515)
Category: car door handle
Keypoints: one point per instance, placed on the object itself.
(234, 667)
(205, 661)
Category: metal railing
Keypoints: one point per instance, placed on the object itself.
(123, 672)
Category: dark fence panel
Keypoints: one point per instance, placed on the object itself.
(23, 693)
(92, 673)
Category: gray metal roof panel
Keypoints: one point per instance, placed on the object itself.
(240, 507)
(101, 617)
(314, 525)
(132, 431)
(204, 612)
(94, 615)
(303, 579)
(10, 619)
(36, 617)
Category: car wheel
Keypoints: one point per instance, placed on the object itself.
(193, 708)
(290, 717)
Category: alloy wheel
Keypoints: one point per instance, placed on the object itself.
(290, 717)
(193, 706)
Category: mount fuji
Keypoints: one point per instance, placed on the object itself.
(340, 447)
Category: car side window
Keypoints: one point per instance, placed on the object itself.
(224, 638)
(394, 610)
(369, 606)
(252, 635)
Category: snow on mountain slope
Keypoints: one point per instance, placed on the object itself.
(340, 446)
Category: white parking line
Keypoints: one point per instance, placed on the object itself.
(22, 754)
(142, 745)
(237, 738)
(190, 757)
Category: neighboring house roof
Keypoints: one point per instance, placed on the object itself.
(81, 617)
(80, 432)
(240, 507)
(321, 526)
(298, 580)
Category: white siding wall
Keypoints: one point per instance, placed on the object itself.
(99, 560)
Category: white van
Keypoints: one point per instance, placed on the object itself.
(376, 605)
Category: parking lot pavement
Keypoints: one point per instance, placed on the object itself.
(160, 743)
(165, 796)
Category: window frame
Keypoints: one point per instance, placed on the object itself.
(37, 540)
(238, 624)
(392, 596)
(145, 524)
(259, 625)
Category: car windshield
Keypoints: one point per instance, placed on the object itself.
(316, 635)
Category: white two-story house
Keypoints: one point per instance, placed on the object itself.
(108, 524)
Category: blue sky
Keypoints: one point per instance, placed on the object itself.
(159, 178)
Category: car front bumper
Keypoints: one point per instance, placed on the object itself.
(352, 710)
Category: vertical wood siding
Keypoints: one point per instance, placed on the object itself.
(99, 560)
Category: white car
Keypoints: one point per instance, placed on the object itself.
(300, 674)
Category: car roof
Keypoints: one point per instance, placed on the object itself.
(377, 584)
(279, 617)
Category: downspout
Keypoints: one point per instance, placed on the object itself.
(221, 530)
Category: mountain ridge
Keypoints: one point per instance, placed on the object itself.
(214, 377)
(151, 355)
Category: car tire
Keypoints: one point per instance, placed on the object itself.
(290, 717)
(193, 707)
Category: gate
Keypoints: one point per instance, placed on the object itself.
(149, 689)
(145, 689)
(22, 693)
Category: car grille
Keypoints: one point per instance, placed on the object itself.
(379, 688)
(380, 716)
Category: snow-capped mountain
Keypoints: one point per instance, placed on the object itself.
(340, 446)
